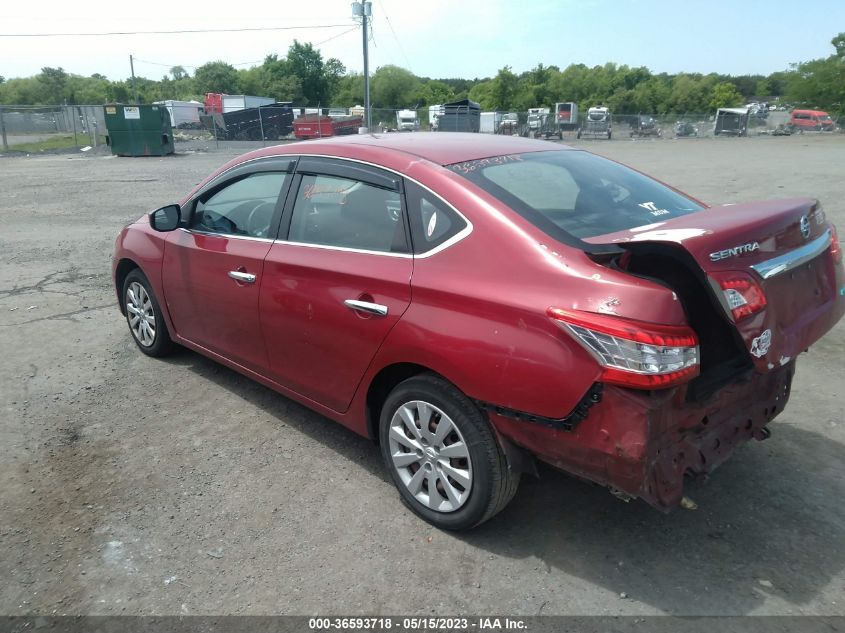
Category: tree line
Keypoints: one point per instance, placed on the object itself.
(305, 78)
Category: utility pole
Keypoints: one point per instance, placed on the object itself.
(134, 85)
(364, 10)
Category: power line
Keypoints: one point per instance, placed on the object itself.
(354, 28)
(147, 61)
(398, 43)
(175, 32)
(258, 61)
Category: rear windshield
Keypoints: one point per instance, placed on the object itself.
(575, 194)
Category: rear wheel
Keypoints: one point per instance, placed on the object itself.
(442, 454)
(144, 317)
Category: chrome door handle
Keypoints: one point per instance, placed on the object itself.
(237, 275)
(366, 306)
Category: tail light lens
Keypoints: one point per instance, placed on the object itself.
(744, 295)
(835, 246)
(633, 353)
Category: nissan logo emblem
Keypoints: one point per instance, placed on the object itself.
(805, 226)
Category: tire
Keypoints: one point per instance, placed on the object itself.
(483, 485)
(152, 339)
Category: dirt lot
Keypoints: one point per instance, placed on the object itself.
(140, 486)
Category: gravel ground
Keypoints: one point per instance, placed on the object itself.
(141, 486)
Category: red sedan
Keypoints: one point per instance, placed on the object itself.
(474, 303)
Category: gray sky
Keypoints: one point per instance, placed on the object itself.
(436, 38)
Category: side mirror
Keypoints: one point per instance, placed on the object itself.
(167, 218)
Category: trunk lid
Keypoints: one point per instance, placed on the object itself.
(782, 245)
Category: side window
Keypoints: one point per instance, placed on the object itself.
(432, 221)
(245, 207)
(349, 213)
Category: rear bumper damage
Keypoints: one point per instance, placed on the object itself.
(642, 444)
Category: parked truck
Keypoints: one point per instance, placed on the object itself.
(536, 120)
(599, 123)
(407, 121)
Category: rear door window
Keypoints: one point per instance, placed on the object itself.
(348, 213)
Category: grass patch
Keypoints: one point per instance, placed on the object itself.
(64, 141)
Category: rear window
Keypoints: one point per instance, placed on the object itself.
(575, 194)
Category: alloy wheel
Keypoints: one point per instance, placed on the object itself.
(139, 311)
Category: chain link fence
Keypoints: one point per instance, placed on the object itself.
(36, 128)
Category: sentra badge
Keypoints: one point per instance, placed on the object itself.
(736, 250)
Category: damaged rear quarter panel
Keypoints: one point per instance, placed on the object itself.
(644, 443)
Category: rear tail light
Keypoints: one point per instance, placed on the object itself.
(633, 353)
(835, 246)
(743, 294)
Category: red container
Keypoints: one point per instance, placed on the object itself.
(315, 126)
(213, 102)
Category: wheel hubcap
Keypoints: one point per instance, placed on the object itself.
(139, 311)
(430, 455)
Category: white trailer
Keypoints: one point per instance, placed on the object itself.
(566, 115)
(407, 121)
(490, 122)
(434, 114)
(183, 114)
(233, 103)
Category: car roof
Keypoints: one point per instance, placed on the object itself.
(443, 148)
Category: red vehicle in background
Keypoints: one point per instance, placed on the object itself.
(476, 302)
(811, 120)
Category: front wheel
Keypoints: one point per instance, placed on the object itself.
(442, 454)
(144, 317)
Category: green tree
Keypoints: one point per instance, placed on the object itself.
(306, 64)
(434, 92)
(216, 77)
(504, 89)
(838, 43)
(394, 87)
(820, 82)
(53, 82)
(178, 72)
(725, 95)
(350, 90)
(482, 94)
(334, 71)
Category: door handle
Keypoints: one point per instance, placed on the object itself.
(366, 306)
(237, 275)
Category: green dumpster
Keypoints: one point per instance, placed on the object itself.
(138, 130)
